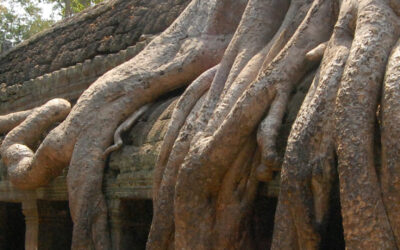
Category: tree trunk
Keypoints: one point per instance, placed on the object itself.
(243, 59)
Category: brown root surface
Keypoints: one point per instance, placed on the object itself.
(189, 47)
(390, 172)
(307, 169)
(365, 220)
(217, 173)
(10, 121)
(25, 169)
(347, 90)
(242, 61)
(194, 43)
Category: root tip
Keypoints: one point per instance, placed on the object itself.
(317, 53)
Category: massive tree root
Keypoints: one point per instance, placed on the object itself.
(25, 169)
(338, 118)
(242, 59)
(209, 180)
(194, 43)
(390, 133)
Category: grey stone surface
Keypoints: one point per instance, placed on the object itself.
(106, 28)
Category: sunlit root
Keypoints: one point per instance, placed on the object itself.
(234, 87)
(194, 43)
(207, 173)
(10, 121)
(17, 152)
(127, 124)
(317, 53)
(308, 165)
(390, 135)
(210, 158)
(179, 116)
(162, 232)
(355, 115)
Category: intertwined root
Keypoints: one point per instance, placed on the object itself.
(347, 90)
(211, 181)
(25, 169)
(223, 132)
(320, 133)
(309, 160)
(194, 43)
(10, 121)
(356, 104)
(390, 172)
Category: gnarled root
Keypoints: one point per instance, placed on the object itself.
(24, 169)
(356, 105)
(183, 108)
(193, 44)
(307, 169)
(125, 126)
(237, 57)
(205, 178)
(217, 172)
(390, 134)
(347, 90)
(268, 130)
(10, 121)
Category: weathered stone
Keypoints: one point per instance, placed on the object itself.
(106, 28)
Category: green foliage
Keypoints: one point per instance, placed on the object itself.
(79, 5)
(69, 7)
(21, 19)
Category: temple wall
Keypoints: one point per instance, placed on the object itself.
(107, 28)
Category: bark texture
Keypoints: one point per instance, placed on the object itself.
(241, 61)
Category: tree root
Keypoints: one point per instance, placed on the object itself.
(189, 47)
(316, 53)
(162, 230)
(234, 89)
(10, 121)
(267, 135)
(24, 171)
(309, 162)
(206, 175)
(182, 110)
(356, 107)
(125, 126)
(194, 43)
(307, 170)
(390, 173)
(209, 158)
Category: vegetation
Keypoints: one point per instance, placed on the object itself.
(21, 19)
(69, 7)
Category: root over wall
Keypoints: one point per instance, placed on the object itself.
(240, 62)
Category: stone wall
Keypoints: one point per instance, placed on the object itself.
(130, 170)
(106, 28)
(66, 83)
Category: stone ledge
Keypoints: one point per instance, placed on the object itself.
(103, 29)
(66, 83)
